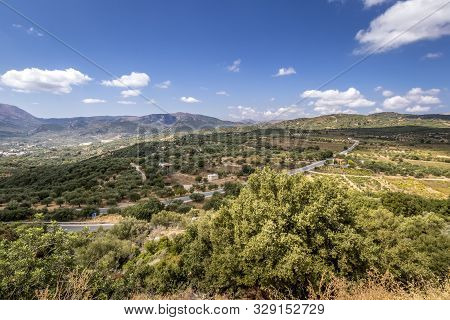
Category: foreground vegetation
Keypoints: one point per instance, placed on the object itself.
(278, 237)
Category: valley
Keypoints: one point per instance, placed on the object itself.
(154, 197)
(111, 175)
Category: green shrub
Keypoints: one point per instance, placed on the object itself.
(197, 197)
(144, 211)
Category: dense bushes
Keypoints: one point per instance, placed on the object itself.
(410, 205)
(283, 236)
(197, 197)
(282, 233)
(144, 211)
(59, 214)
(403, 168)
(64, 214)
(34, 261)
(15, 214)
(214, 202)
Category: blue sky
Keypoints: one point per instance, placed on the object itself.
(229, 59)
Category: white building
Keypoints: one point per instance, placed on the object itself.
(213, 176)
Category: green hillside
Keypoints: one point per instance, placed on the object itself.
(378, 120)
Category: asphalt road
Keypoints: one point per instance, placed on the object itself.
(186, 199)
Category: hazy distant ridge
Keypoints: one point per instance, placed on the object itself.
(17, 122)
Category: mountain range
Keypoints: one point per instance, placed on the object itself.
(15, 122)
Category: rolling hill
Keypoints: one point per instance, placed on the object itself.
(377, 120)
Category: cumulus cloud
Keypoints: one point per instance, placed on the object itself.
(433, 55)
(222, 93)
(419, 91)
(130, 93)
(376, 110)
(34, 79)
(164, 85)
(189, 100)
(126, 102)
(93, 101)
(281, 113)
(417, 109)
(335, 101)
(285, 72)
(413, 99)
(242, 112)
(388, 31)
(334, 110)
(133, 80)
(396, 102)
(235, 66)
(387, 93)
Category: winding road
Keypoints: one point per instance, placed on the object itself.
(139, 170)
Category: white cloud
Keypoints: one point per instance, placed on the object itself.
(222, 93)
(189, 100)
(133, 80)
(433, 55)
(420, 96)
(130, 93)
(235, 66)
(92, 101)
(334, 110)
(241, 112)
(34, 79)
(388, 31)
(126, 102)
(285, 72)
(387, 93)
(379, 88)
(417, 109)
(164, 85)
(396, 102)
(371, 3)
(419, 91)
(335, 101)
(376, 110)
(272, 99)
(414, 97)
(281, 113)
